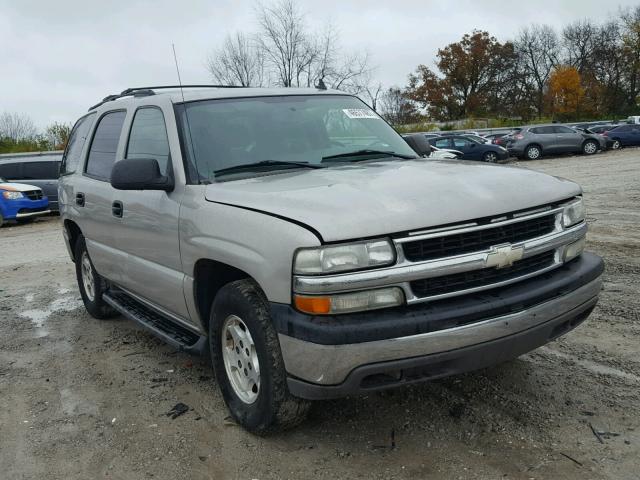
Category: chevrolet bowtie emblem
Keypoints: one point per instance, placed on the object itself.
(502, 256)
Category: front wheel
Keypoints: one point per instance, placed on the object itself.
(490, 157)
(589, 147)
(91, 285)
(247, 361)
(616, 145)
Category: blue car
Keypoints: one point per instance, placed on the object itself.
(623, 136)
(471, 148)
(21, 202)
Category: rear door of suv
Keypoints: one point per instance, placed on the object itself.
(546, 137)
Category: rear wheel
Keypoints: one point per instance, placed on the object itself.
(247, 361)
(533, 152)
(589, 147)
(91, 285)
(616, 144)
(491, 157)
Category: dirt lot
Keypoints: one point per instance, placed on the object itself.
(83, 398)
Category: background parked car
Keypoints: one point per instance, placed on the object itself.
(532, 142)
(445, 154)
(471, 148)
(40, 169)
(497, 138)
(21, 202)
(623, 136)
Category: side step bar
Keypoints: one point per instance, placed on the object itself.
(174, 334)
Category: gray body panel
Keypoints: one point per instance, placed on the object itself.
(381, 198)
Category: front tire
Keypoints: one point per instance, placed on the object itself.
(533, 152)
(91, 285)
(490, 157)
(589, 147)
(616, 145)
(247, 361)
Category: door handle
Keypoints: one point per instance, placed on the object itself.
(117, 209)
(80, 199)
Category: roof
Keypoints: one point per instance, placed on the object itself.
(193, 93)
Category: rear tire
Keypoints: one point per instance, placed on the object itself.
(247, 361)
(91, 285)
(589, 147)
(533, 152)
(616, 145)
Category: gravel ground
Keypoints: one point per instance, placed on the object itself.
(83, 398)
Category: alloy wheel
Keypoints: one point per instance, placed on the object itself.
(87, 277)
(240, 359)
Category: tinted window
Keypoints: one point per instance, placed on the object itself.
(460, 142)
(542, 130)
(102, 153)
(40, 170)
(77, 138)
(148, 137)
(561, 129)
(442, 143)
(11, 171)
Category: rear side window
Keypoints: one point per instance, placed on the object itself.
(40, 170)
(542, 130)
(561, 129)
(102, 153)
(11, 171)
(148, 137)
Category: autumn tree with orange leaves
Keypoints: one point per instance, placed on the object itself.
(565, 91)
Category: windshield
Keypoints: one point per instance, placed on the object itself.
(274, 131)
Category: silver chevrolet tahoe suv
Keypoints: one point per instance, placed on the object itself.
(311, 250)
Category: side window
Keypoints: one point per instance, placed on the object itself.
(11, 171)
(560, 129)
(536, 131)
(40, 170)
(460, 143)
(148, 137)
(78, 136)
(442, 143)
(102, 153)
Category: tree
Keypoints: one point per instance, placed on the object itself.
(16, 127)
(239, 61)
(57, 135)
(396, 107)
(565, 91)
(580, 41)
(470, 75)
(539, 49)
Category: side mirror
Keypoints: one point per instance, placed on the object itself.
(419, 144)
(139, 174)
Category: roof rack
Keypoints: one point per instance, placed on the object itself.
(145, 91)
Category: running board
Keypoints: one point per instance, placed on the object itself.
(171, 332)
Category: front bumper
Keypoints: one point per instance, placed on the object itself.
(24, 208)
(406, 345)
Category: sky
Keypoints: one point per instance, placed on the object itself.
(57, 58)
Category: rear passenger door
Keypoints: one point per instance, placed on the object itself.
(147, 232)
(93, 196)
(547, 138)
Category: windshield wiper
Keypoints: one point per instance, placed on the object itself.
(262, 164)
(366, 152)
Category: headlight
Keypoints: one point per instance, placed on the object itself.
(10, 195)
(574, 249)
(344, 257)
(573, 213)
(349, 302)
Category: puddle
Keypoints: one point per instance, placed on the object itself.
(39, 316)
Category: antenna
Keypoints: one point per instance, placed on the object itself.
(186, 112)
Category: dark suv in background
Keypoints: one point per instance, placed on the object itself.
(532, 142)
(34, 168)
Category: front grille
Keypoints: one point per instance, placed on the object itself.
(33, 194)
(428, 287)
(467, 242)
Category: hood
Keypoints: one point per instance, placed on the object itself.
(17, 187)
(367, 200)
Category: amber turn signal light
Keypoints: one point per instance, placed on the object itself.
(315, 305)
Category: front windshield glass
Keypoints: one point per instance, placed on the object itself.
(226, 133)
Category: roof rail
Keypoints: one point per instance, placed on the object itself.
(145, 91)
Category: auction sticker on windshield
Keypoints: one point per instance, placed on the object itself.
(359, 113)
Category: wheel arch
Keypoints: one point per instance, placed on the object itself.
(73, 233)
(209, 277)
